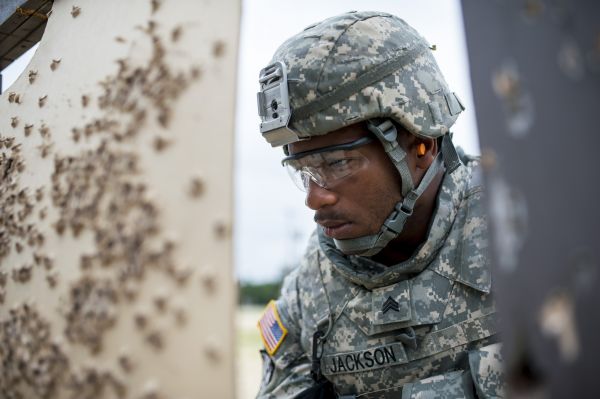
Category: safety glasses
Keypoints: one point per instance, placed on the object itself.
(327, 166)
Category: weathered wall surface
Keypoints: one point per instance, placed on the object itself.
(116, 206)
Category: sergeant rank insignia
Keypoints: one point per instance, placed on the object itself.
(390, 304)
(271, 329)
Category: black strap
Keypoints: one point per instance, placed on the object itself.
(322, 387)
(315, 370)
(321, 390)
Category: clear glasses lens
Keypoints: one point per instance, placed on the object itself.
(325, 169)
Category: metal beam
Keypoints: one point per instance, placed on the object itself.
(22, 26)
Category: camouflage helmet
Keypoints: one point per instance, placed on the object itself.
(355, 67)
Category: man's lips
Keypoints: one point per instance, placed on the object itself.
(338, 229)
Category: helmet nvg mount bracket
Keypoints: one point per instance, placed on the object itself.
(274, 105)
(361, 67)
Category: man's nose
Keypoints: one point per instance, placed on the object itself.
(318, 197)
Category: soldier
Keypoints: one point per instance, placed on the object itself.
(392, 298)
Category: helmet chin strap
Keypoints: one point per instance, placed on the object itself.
(392, 227)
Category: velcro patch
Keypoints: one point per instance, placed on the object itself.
(364, 360)
(272, 330)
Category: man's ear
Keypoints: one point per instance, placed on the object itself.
(424, 151)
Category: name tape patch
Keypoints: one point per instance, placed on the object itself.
(369, 359)
(272, 330)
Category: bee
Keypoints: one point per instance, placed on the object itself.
(88, 130)
(20, 166)
(125, 363)
(39, 194)
(54, 64)
(208, 279)
(75, 11)
(196, 187)
(181, 275)
(196, 72)
(76, 134)
(220, 229)
(48, 263)
(52, 279)
(218, 48)
(14, 121)
(160, 302)
(155, 5)
(120, 39)
(164, 117)
(45, 149)
(160, 143)
(85, 100)
(39, 239)
(156, 340)
(44, 131)
(32, 76)
(11, 97)
(60, 226)
(176, 33)
(27, 130)
(42, 100)
(211, 351)
(141, 321)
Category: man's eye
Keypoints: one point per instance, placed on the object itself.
(338, 163)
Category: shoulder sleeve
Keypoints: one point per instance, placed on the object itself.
(465, 256)
(475, 267)
(486, 366)
(286, 366)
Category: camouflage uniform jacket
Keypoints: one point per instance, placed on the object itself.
(423, 327)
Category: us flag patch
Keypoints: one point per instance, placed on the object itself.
(271, 329)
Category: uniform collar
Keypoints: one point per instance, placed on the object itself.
(370, 274)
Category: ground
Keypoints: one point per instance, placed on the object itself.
(248, 362)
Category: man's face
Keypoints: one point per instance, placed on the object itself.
(356, 205)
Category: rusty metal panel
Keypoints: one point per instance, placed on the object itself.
(7, 8)
(535, 69)
(116, 204)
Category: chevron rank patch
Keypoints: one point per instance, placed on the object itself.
(271, 329)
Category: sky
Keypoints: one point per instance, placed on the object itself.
(272, 224)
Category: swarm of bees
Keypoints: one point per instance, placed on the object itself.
(90, 382)
(35, 357)
(16, 206)
(91, 311)
(99, 191)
